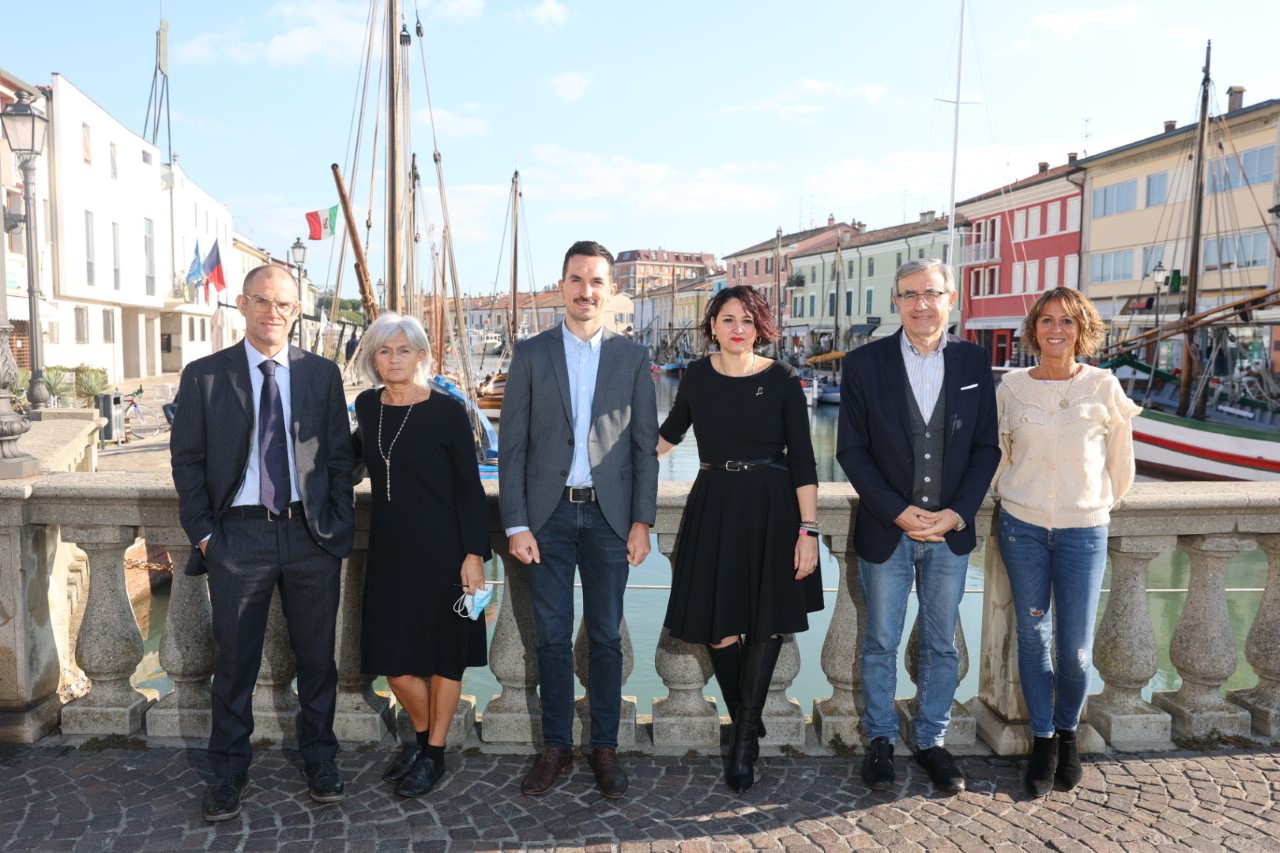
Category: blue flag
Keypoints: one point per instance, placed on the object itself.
(195, 274)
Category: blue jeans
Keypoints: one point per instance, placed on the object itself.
(939, 576)
(577, 535)
(1059, 569)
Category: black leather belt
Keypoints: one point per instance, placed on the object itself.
(775, 461)
(261, 513)
(580, 496)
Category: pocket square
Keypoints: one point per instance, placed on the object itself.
(969, 387)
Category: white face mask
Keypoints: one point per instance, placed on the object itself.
(471, 604)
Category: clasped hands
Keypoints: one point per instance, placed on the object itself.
(524, 547)
(925, 525)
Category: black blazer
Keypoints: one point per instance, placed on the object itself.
(213, 432)
(874, 443)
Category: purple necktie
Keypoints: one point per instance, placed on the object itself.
(273, 452)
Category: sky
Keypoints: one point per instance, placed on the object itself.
(690, 126)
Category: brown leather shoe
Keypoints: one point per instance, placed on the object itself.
(553, 761)
(610, 778)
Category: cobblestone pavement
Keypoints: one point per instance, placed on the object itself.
(54, 797)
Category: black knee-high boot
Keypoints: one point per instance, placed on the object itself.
(727, 664)
(758, 661)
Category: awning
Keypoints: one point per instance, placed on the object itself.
(883, 331)
(820, 330)
(861, 330)
(993, 323)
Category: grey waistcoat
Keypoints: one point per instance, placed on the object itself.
(927, 448)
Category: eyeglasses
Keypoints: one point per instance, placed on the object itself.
(930, 295)
(262, 303)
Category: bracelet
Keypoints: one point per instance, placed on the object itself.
(807, 523)
(809, 531)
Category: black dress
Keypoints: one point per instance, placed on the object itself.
(437, 514)
(734, 565)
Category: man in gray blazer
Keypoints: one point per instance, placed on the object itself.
(578, 488)
(262, 462)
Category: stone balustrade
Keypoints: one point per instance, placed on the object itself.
(101, 514)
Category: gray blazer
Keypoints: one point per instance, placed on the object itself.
(212, 434)
(535, 441)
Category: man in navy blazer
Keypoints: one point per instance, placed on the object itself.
(918, 440)
(578, 488)
(280, 518)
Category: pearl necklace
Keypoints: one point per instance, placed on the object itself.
(386, 457)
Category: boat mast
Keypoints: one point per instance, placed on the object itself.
(395, 159)
(1197, 214)
(955, 145)
(835, 333)
(513, 323)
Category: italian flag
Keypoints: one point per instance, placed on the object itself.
(322, 223)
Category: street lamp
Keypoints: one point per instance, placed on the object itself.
(25, 127)
(298, 251)
(381, 287)
(1158, 275)
(777, 291)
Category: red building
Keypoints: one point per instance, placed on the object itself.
(1023, 239)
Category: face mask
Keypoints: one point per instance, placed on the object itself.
(471, 604)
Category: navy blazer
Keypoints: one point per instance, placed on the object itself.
(874, 443)
(213, 431)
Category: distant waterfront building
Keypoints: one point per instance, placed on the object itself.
(1022, 239)
(637, 270)
(671, 321)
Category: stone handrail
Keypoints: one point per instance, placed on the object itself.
(102, 514)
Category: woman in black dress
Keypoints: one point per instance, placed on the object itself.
(428, 540)
(746, 561)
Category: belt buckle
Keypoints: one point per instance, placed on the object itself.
(579, 496)
(734, 465)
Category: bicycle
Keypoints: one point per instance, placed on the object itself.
(141, 421)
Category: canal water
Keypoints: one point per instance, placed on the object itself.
(647, 593)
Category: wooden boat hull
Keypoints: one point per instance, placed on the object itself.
(1203, 450)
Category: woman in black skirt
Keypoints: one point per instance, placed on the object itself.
(745, 570)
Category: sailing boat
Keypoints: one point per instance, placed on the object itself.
(1217, 417)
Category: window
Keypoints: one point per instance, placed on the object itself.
(191, 328)
(813, 305)
(1050, 273)
(149, 254)
(897, 260)
(768, 266)
(1151, 255)
(82, 325)
(1114, 266)
(1071, 272)
(1033, 276)
(1238, 250)
(848, 303)
(1157, 189)
(146, 157)
(1033, 222)
(1053, 217)
(114, 173)
(115, 255)
(757, 266)
(1019, 225)
(1019, 276)
(871, 292)
(108, 326)
(849, 274)
(797, 306)
(1253, 167)
(88, 149)
(871, 266)
(88, 249)
(831, 305)
(1073, 213)
(204, 325)
(1114, 199)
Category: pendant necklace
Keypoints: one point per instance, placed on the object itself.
(1062, 403)
(386, 457)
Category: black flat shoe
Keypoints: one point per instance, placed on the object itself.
(325, 782)
(877, 765)
(942, 769)
(222, 799)
(421, 778)
(397, 769)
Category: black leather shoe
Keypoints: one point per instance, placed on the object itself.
(421, 778)
(397, 769)
(325, 781)
(611, 779)
(222, 799)
(942, 769)
(1044, 759)
(553, 761)
(1069, 771)
(877, 766)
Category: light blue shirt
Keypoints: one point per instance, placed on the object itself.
(248, 493)
(582, 358)
(925, 372)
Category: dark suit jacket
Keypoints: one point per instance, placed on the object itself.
(213, 431)
(535, 442)
(874, 444)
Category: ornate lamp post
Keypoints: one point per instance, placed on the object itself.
(25, 127)
(1158, 275)
(298, 251)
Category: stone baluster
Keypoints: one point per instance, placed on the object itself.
(999, 709)
(836, 718)
(109, 646)
(515, 714)
(1125, 653)
(275, 704)
(783, 718)
(685, 718)
(362, 716)
(962, 733)
(1260, 649)
(1203, 649)
(582, 704)
(186, 647)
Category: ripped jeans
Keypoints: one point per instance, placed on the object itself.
(1065, 567)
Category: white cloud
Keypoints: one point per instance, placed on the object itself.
(451, 125)
(807, 96)
(327, 30)
(459, 10)
(570, 86)
(550, 13)
(1073, 23)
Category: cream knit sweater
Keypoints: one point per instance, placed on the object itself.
(1064, 466)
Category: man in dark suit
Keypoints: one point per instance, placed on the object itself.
(917, 438)
(262, 461)
(578, 487)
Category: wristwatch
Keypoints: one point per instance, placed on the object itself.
(960, 525)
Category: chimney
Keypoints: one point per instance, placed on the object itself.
(1235, 98)
(1044, 167)
(831, 219)
(927, 216)
(1170, 126)
(1071, 158)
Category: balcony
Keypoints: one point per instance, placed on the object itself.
(980, 253)
(64, 527)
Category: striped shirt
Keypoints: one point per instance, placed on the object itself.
(925, 372)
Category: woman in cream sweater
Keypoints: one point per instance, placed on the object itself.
(1067, 442)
